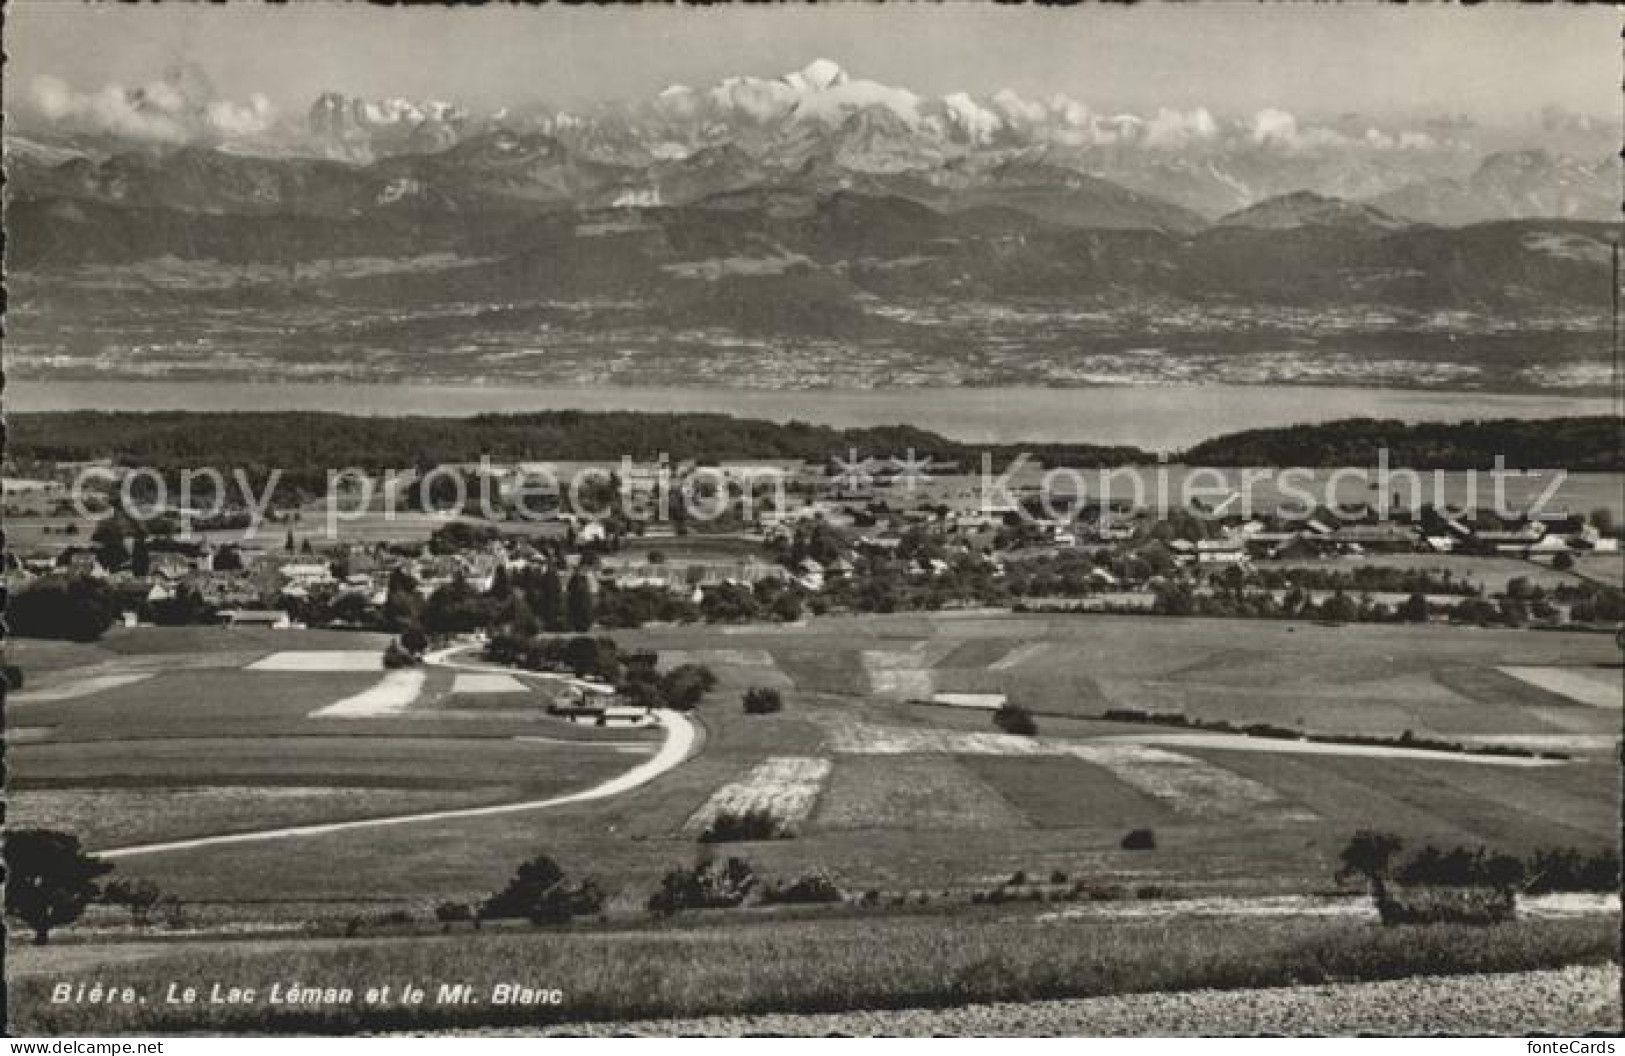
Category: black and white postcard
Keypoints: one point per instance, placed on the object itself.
(841, 519)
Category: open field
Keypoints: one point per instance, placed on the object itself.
(158, 734)
(1068, 793)
(1491, 574)
(912, 793)
(784, 787)
(158, 812)
(1576, 1000)
(1441, 682)
(720, 966)
(1601, 688)
(954, 803)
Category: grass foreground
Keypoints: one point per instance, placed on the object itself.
(707, 965)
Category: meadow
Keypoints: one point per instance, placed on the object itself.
(929, 807)
(156, 734)
(695, 966)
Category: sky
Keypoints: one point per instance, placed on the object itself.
(1494, 63)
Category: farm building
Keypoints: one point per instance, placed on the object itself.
(275, 619)
(1377, 538)
(1220, 552)
(598, 704)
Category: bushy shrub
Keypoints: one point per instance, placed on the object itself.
(1460, 867)
(75, 608)
(757, 823)
(763, 700)
(1014, 719)
(1570, 870)
(397, 656)
(684, 686)
(1547, 870)
(138, 897)
(704, 886)
(813, 889)
(453, 912)
(1448, 905)
(541, 893)
(1139, 840)
(13, 677)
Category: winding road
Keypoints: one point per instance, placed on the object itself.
(681, 735)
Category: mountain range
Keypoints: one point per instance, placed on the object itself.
(820, 127)
(1024, 238)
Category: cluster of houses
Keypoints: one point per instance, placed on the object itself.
(1537, 534)
(259, 582)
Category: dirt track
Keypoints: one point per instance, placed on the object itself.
(1567, 1002)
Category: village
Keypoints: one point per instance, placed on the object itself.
(660, 542)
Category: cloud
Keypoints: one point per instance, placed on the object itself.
(1274, 127)
(1016, 110)
(975, 124)
(1175, 128)
(240, 120)
(179, 109)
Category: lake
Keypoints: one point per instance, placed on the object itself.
(1159, 418)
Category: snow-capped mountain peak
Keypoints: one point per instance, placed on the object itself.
(820, 75)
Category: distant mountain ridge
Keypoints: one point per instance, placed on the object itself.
(1514, 185)
(1308, 209)
(815, 228)
(823, 126)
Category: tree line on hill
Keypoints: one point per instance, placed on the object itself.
(305, 446)
(1576, 444)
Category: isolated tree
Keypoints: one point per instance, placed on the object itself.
(1602, 519)
(290, 545)
(1414, 609)
(1370, 854)
(49, 880)
(579, 603)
